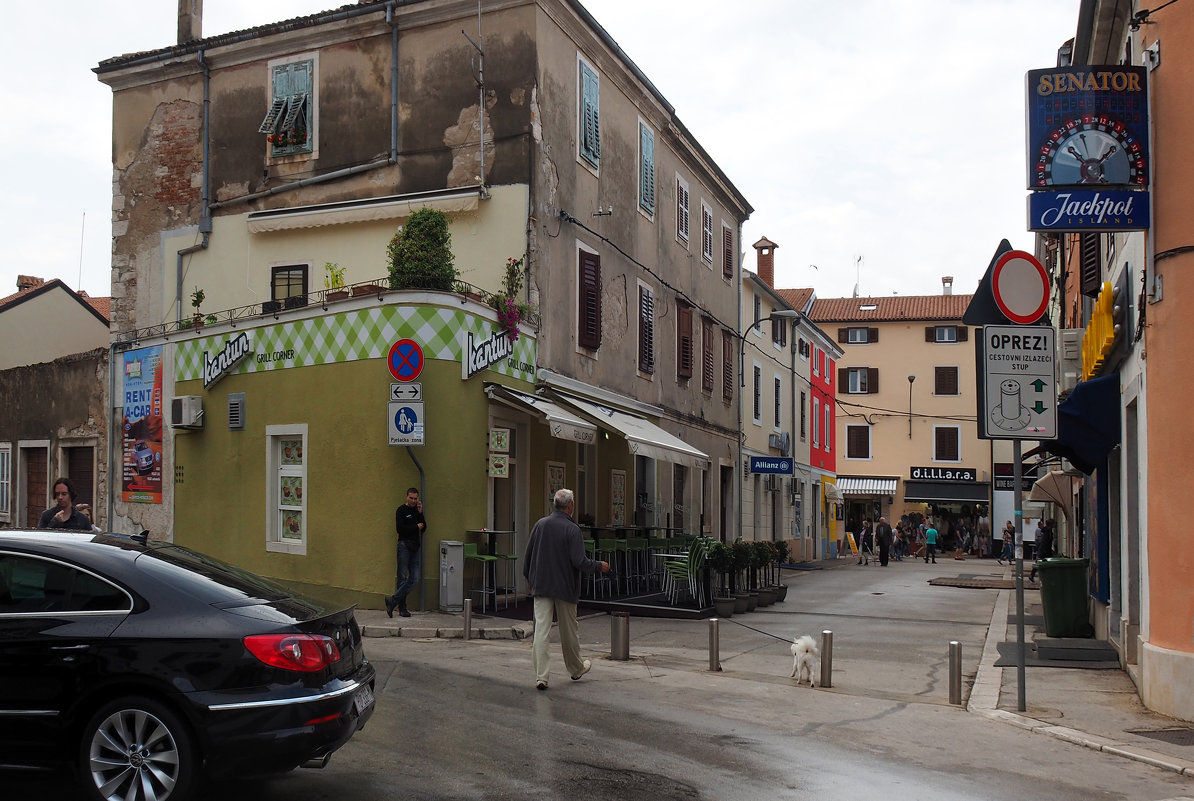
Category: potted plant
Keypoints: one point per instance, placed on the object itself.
(420, 253)
(509, 311)
(197, 298)
(333, 281)
(781, 558)
(721, 561)
(742, 554)
(764, 555)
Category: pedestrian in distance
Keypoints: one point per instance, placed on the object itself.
(865, 543)
(1009, 543)
(1044, 545)
(411, 526)
(552, 565)
(960, 541)
(64, 514)
(883, 537)
(930, 543)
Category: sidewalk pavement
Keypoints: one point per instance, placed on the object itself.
(1100, 708)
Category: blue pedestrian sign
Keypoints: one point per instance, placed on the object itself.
(771, 464)
(406, 422)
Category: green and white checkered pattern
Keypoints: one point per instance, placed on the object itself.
(356, 335)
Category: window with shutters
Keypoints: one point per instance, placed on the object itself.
(827, 440)
(6, 481)
(590, 125)
(706, 233)
(588, 318)
(803, 417)
(289, 124)
(777, 402)
(727, 251)
(816, 422)
(727, 366)
(858, 335)
(859, 380)
(708, 357)
(947, 444)
(684, 342)
(858, 442)
(947, 334)
(646, 329)
(779, 331)
(646, 169)
(682, 210)
(1091, 262)
(816, 361)
(757, 392)
(945, 381)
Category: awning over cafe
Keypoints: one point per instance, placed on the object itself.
(936, 491)
(643, 437)
(561, 423)
(866, 485)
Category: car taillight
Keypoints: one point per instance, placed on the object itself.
(305, 652)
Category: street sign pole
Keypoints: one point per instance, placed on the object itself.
(1018, 492)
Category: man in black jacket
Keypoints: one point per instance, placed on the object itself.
(64, 514)
(883, 535)
(411, 526)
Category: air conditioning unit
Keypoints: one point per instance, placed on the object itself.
(186, 411)
(772, 482)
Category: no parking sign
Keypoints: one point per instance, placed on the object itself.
(405, 360)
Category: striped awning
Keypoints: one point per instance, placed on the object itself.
(866, 485)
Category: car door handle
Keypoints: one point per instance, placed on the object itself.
(70, 647)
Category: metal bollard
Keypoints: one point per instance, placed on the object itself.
(955, 672)
(468, 618)
(714, 644)
(619, 636)
(826, 658)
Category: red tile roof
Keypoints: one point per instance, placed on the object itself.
(895, 307)
(101, 306)
(796, 298)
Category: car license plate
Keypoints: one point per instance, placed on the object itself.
(363, 699)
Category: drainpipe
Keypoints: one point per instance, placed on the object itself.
(393, 23)
(741, 386)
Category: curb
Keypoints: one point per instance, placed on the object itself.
(984, 701)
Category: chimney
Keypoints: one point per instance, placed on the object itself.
(190, 20)
(765, 257)
(947, 285)
(28, 282)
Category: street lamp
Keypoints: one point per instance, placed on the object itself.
(911, 379)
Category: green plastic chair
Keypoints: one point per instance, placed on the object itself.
(471, 555)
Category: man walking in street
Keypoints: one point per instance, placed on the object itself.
(930, 543)
(883, 535)
(554, 559)
(410, 525)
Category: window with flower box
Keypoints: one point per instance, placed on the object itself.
(289, 124)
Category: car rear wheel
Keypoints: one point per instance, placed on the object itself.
(136, 749)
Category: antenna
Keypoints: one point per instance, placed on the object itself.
(480, 78)
(82, 230)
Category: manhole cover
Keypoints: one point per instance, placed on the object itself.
(1171, 736)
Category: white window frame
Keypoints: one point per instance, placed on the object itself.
(936, 455)
(856, 378)
(683, 210)
(870, 445)
(827, 440)
(707, 234)
(946, 334)
(6, 482)
(816, 360)
(816, 422)
(312, 101)
(853, 333)
(276, 471)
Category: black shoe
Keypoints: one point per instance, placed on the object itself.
(389, 606)
(402, 610)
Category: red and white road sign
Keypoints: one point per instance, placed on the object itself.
(1021, 287)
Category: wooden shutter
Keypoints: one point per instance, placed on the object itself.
(843, 378)
(80, 467)
(858, 442)
(727, 252)
(727, 366)
(684, 354)
(646, 330)
(708, 361)
(945, 444)
(872, 380)
(646, 198)
(843, 335)
(963, 333)
(681, 210)
(945, 381)
(930, 333)
(1091, 264)
(588, 333)
(590, 123)
(872, 335)
(707, 234)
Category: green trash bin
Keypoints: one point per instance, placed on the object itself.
(1064, 596)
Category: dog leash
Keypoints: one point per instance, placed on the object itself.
(760, 631)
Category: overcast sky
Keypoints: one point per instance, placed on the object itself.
(891, 130)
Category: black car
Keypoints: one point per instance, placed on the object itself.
(149, 666)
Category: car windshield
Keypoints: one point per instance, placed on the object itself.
(214, 581)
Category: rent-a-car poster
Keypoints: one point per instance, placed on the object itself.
(141, 479)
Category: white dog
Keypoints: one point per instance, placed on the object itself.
(804, 657)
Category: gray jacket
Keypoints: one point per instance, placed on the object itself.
(555, 558)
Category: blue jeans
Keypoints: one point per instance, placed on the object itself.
(408, 571)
